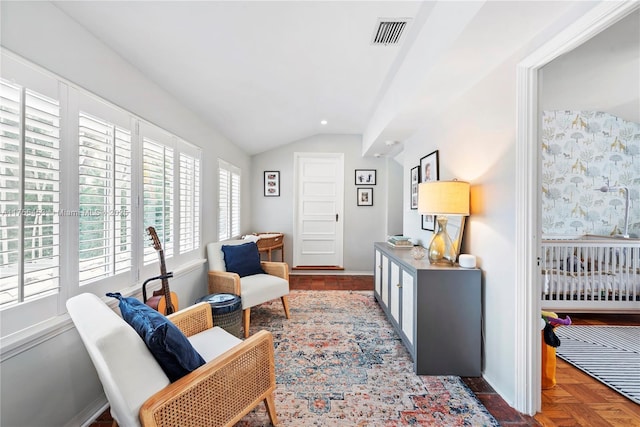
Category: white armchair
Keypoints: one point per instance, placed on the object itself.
(236, 377)
(253, 289)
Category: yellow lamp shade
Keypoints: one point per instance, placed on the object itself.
(443, 198)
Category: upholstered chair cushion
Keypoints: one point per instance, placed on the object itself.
(170, 347)
(242, 259)
(259, 288)
(211, 343)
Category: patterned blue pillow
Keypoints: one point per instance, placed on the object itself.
(170, 347)
(243, 259)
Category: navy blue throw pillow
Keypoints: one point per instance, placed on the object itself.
(243, 259)
(170, 347)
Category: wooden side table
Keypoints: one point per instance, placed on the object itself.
(269, 242)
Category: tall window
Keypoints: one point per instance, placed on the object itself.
(105, 247)
(29, 193)
(228, 201)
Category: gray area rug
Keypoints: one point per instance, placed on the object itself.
(610, 354)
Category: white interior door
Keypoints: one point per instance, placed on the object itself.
(318, 226)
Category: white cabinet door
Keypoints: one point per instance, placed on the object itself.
(385, 281)
(378, 273)
(395, 291)
(408, 297)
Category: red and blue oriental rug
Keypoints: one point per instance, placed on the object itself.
(340, 363)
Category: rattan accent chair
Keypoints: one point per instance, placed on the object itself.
(236, 377)
(255, 289)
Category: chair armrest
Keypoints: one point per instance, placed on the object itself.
(193, 319)
(224, 282)
(220, 392)
(280, 269)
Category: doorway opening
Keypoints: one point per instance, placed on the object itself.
(528, 232)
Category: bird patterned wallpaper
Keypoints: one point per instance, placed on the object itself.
(582, 151)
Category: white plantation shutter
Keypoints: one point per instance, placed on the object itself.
(235, 204)
(157, 170)
(223, 204)
(105, 237)
(228, 201)
(189, 203)
(29, 193)
(10, 198)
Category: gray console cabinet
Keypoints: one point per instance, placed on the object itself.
(435, 310)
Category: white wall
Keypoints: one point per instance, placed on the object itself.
(363, 225)
(602, 74)
(481, 149)
(53, 382)
(395, 172)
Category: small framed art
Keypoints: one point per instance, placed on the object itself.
(429, 171)
(365, 177)
(415, 180)
(365, 196)
(272, 183)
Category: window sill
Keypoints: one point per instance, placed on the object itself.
(14, 344)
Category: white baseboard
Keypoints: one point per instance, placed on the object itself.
(89, 414)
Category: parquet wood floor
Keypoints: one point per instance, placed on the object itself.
(577, 399)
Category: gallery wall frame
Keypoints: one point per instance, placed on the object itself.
(365, 196)
(429, 171)
(272, 183)
(365, 177)
(414, 181)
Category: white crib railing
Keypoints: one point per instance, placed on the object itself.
(590, 274)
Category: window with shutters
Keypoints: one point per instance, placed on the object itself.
(29, 194)
(105, 240)
(80, 181)
(228, 201)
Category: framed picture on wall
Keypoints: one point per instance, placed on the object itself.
(415, 180)
(365, 177)
(365, 196)
(429, 171)
(271, 183)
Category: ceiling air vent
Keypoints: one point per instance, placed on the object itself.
(389, 31)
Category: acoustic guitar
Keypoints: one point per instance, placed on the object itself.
(163, 300)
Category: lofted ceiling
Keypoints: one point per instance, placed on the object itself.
(265, 73)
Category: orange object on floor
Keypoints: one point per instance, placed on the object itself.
(548, 366)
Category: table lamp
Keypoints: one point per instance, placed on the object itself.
(443, 198)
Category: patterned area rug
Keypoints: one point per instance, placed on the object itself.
(340, 363)
(610, 354)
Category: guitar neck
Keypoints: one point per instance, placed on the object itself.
(157, 245)
(165, 283)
